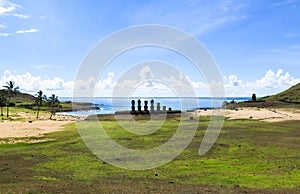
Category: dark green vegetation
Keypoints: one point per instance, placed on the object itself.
(35, 103)
(249, 156)
(292, 95)
(289, 98)
(20, 97)
(10, 91)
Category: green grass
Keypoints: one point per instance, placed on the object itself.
(249, 156)
(288, 99)
(14, 114)
(290, 95)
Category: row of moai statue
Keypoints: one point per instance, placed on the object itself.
(139, 106)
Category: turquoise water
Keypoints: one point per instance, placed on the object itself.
(111, 105)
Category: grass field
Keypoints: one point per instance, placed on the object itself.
(249, 156)
(14, 114)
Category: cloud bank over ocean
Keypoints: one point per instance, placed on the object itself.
(272, 82)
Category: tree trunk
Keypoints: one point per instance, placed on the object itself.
(37, 114)
(7, 109)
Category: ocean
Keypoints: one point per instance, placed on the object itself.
(107, 105)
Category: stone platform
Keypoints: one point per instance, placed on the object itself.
(126, 112)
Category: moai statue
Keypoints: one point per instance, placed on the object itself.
(158, 106)
(146, 105)
(139, 105)
(132, 105)
(152, 105)
(164, 108)
(170, 109)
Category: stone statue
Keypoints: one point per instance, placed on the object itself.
(152, 105)
(139, 105)
(146, 105)
(132, 105)
(158, 106)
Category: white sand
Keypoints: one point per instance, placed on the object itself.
(26, 129)
(269, 115)
(10, 129)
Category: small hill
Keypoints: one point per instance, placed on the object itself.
(25, 100)
(291, 95)
(20, 97)
(289, 98)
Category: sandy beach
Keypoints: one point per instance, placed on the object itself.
(262, 114)
(39, 127)
(32, 127)
(26, 129)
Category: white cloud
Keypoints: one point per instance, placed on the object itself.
(197, 17)
(292, 35)
(32, 30)
(83, 85)
(156, 90)
(21, 16)
(107, 83)
(103, 87)
(181, 85)
(232, 81)
(26, 31)
(7, 7)
(214, 24)
(290, 3)
(276, 80)
(5, 34)
(146, 73)
(31, 84)
(271, 83)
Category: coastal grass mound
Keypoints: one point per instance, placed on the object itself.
(249, 156)
(291, 95)
(289, 99)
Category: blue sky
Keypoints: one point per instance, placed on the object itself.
(256, 43)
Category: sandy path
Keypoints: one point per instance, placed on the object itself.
(257, 114)
(26, 129)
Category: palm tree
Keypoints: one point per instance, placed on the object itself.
(53, 104)
(2, 103)
(53, 100)
(39, 102)
(11, 90)
(45, 97)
